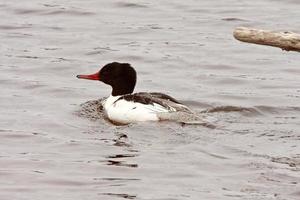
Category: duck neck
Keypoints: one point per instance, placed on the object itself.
(122, 89)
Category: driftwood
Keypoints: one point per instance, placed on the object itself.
(288, 41)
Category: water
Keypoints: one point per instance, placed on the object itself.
(183, 48)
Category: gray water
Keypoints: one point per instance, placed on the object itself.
(182, 48)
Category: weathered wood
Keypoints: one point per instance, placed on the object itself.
(288, 41)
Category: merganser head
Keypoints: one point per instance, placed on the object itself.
(120, 76)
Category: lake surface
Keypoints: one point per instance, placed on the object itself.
(182, 48)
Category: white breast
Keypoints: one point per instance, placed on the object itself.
(123, 111)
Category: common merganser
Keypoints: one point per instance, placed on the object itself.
(124, 107)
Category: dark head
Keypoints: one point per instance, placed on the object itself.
(120, 76)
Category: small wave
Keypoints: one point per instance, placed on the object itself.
(232, 109)
(123, 195)
(69, 12)
(275, 110)
(11, 27)
(92, 110)
(27, 11)
(256, 110)
(131, 5)
(52, 11)
(233, 19)
(292, 162)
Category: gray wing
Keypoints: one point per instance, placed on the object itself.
(159, 98)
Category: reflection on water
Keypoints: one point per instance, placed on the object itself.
(122, 156)
(120, 163)
(115, 159)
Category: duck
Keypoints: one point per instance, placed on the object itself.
(125, 107)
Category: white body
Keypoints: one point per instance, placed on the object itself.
(123, 111)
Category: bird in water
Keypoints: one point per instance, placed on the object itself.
(124, 107)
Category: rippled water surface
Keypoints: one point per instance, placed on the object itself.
(182, 48)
